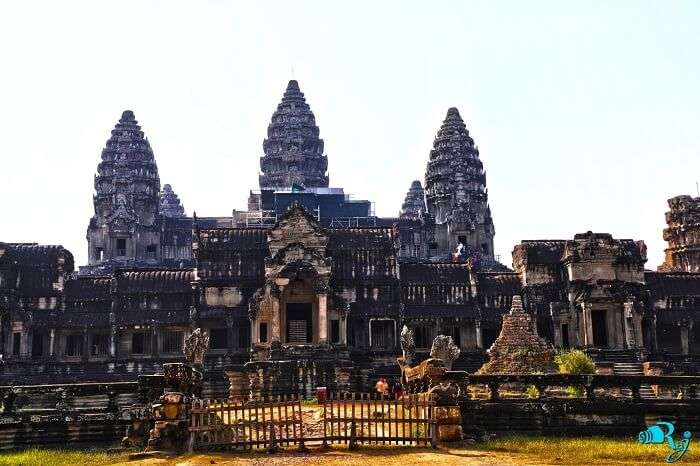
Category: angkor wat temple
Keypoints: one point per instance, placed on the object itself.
(307, 272)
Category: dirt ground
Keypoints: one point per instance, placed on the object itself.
(342, 457)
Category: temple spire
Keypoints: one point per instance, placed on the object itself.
(126, 199)
(455, 185)
(293, 149)
(414, 205)
(170, 205)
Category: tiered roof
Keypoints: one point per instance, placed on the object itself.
(293, 149)
(455, 181)
(413, 206)
(127, 176)
(170, 205)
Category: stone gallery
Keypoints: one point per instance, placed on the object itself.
(306, 279)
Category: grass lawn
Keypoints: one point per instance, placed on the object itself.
(588, 450)
(504, 451)
(44, 457)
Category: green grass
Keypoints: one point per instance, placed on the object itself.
(588, 450)
(45, 457)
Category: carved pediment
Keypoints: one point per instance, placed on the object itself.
(297, 226)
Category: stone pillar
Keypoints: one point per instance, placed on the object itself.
(558, 341)
(684, 339)
(587, 325)
(239, 383)
(229, 335)
(343, 323)
(322, 318)
(627, 315)
(638, 333)
(52, 342)
(154, 340)
(113, 341)
(86, 345)
(479, 337)
(654, 335)
(275, 333)
(254, 325)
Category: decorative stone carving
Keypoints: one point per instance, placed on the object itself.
(444, 348)
(517, 350)
(196, 345)
(408, 345)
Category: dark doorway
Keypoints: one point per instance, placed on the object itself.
(565, 335)
(299, 328)
(600, 328)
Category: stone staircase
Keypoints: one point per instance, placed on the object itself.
(627, 363)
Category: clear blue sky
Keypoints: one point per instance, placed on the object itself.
(586, 113)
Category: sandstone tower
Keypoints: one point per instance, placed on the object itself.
(125, 227)
(682, 235)
(414, 205)
(456, 195)
(293, 149)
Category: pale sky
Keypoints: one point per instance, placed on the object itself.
(586, 114)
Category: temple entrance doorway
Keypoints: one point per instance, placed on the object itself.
(299, 323)
(600, 328)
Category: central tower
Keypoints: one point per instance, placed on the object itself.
(455, 191)
(293, 149)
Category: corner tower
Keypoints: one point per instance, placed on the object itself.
(293, 149)
(456, 195)
(682, 235)
(125, 228)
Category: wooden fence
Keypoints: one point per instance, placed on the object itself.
(217, 424)
(347, 418)
(363, 418)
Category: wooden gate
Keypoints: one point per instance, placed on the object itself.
(246, 425)
(345, 418)
(363, 418)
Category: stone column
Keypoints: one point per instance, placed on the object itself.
(627, 314)
(86, 345)
(477, 331)
(229, 335)
(343, 323)
(322, 318)
(638, 333)
(557, 333)
(154, 340)
(239, 384)
(684, 339)
(113, 341)
(52, 342)
(587, 325)
(274, 333)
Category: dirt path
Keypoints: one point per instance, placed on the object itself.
(343, 457)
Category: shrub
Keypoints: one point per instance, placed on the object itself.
(532, 392)
(574, 362)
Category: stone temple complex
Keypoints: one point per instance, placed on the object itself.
(305, 273)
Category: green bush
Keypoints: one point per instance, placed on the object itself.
(574, 362)
(532, 392)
